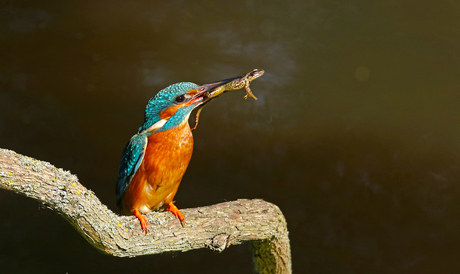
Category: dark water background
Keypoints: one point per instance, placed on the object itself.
(355, 135)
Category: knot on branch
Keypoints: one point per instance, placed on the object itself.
(219, 242)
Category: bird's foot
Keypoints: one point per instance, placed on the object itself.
(142, 220)
(173, 208)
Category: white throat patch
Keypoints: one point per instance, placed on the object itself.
(155, 126)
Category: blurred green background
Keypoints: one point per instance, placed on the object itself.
(355, 136)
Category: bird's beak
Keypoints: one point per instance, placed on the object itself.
(212, 90)
(206, 93)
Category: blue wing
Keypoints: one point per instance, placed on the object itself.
(132, 157)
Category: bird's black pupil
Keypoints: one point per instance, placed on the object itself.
(180, 98)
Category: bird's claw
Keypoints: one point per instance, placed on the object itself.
(174, 210)
(142, 220)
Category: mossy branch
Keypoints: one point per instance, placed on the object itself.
(215, 227)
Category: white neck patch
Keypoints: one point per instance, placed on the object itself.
(155, 126)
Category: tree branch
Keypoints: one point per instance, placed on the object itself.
(215, 227)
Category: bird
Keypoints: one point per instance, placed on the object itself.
(156, 157)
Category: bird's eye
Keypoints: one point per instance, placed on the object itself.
(180, 99)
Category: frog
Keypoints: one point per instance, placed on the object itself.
(235, 84)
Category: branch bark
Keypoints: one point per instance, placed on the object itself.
(215, 227)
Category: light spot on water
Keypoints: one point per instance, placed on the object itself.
(362, 73)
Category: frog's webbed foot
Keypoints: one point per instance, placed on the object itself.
(249, 92)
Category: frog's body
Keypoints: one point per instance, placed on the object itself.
(243, 82)
(235, 84)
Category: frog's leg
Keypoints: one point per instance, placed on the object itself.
(197, 117)
(249, 92)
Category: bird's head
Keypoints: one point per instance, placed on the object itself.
(172, 106)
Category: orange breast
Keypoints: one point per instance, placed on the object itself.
(166, 159)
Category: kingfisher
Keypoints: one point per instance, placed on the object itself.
(156, 158)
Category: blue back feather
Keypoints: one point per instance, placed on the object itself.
(132, 157)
